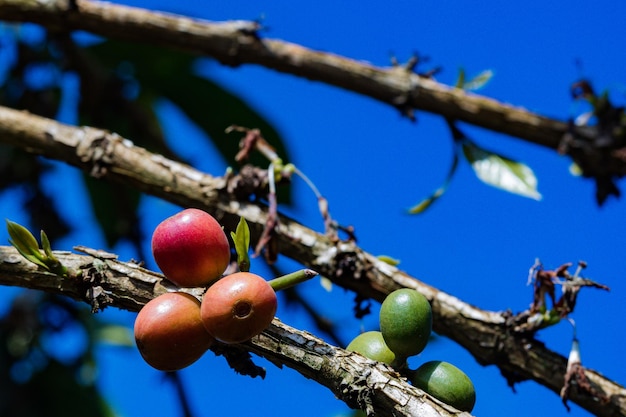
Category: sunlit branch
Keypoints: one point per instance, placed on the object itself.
(483, 333)
(240, 42)
(359, 382)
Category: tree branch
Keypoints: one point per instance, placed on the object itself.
(483, 333)
(238, 42)
(103, 281)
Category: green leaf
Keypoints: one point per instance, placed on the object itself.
(45, 244)
(51, 261)
(23, 239)
(501, 172)
(389, 260)
(423, 205)
(25, 243)
(241, 238)
(460, 81)
(479, 81)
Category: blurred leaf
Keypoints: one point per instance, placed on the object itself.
(423, 205)
(43, 212)
(114, 334)
(58, 393)
(501, 172)
(476, 83)
(428, 201)
(171, 74)
(326, 283)
(115, 208)
(389, 260)
(34, 381)
(214, 109)
(574, 170)
(18, 166)
(113, 98)
(479, 81)
(460, 81)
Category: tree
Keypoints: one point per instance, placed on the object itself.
(111, 157)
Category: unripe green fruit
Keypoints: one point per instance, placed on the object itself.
(191, 248)
(169, 332)
(372, 345)
(238, 307)
(447, 383)
(406, 322)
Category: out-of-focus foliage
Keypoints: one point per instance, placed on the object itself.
(118, 87)
(47, 362)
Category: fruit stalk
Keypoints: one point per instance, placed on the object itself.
(292, 279)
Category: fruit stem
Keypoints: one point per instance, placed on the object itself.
(294, 278)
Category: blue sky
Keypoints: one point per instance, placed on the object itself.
(476, 243)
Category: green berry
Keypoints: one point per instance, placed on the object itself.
(406, 322)
(447, 383)
(372, 346)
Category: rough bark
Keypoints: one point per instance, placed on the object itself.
(239, 42)
(483, 333)
(101, 280)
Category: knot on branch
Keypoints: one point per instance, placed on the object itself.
(598, 150)
(93, 275)
(251, 181)
(98, 150)
(242, 33)
(347, 266)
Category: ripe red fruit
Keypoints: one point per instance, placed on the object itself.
(169, 332)
(191, 248)
(238, 307)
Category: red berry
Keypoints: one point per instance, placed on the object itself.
(191, 248)
(238, 307)
(169, 332)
